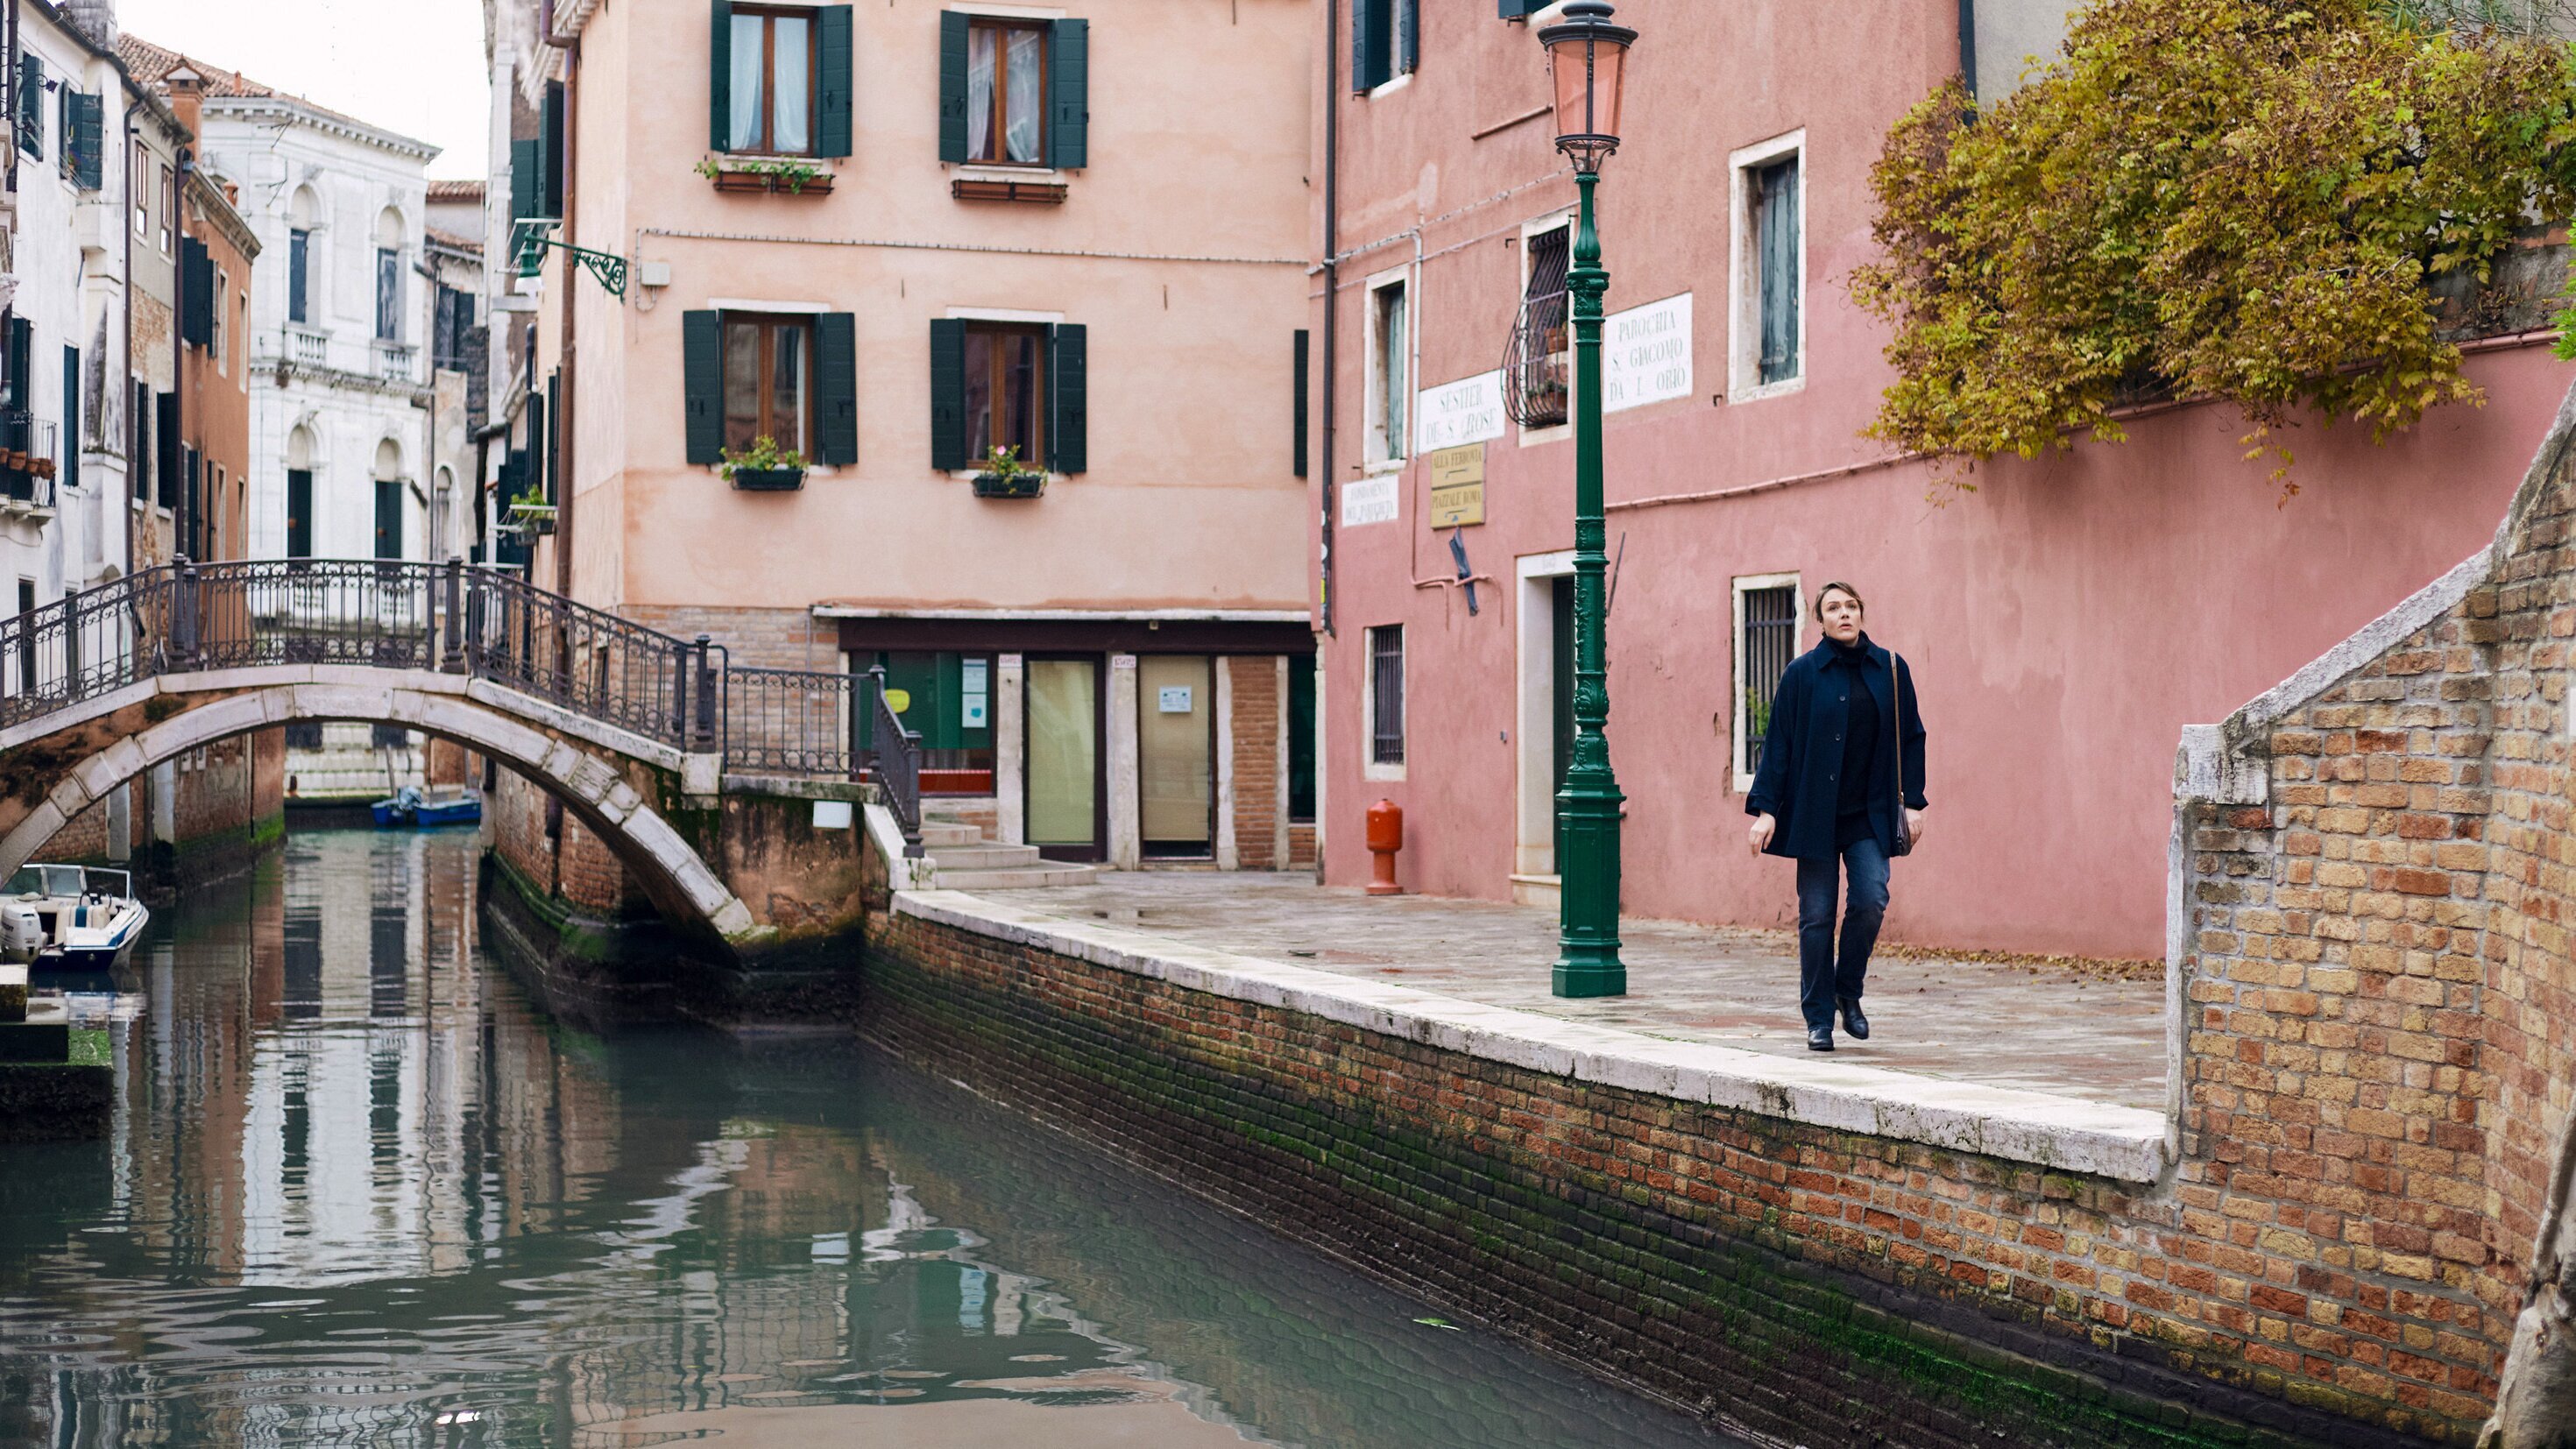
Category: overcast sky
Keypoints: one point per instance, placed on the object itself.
(412, 66)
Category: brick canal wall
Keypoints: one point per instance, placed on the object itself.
(2372, 868)
(1834, 1255)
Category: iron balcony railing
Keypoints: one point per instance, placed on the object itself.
(460, 619)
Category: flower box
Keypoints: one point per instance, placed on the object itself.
(532, 520)
(819, 184)
(768, 480)
(1010, 485)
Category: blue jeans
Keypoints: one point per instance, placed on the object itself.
(1822, 973)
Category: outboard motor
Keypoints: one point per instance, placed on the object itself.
(22, 933)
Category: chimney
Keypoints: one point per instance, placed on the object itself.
(186, 86)
(95, 19)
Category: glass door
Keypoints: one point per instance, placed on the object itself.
(1176, 754)
(1064, 817)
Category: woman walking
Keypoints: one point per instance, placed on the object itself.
(1841, 780)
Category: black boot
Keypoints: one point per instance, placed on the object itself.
(1853, 1021)
(1820, 1038)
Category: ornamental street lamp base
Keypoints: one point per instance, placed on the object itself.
(1590, 973)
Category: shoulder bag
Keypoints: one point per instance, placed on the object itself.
(1896, 710)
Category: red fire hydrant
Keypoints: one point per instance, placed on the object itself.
(1385, 838)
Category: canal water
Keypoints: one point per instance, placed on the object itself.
(362, 1191)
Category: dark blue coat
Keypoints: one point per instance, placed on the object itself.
(1803, 754)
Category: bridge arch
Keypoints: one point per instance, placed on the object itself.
(54, 767)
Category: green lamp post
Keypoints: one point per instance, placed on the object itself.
(1587, 56)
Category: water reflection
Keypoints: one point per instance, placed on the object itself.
(361, 1191)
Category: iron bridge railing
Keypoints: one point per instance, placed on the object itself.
(458, 619)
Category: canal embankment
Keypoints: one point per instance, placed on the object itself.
(1821, 1252)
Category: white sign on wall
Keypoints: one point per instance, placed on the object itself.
(1369, 500)
(1173, 699)
(1469, 410)
(1646, 354)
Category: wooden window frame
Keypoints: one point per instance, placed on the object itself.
(768, 15)
(1035, 455)
(1002, 88)
(768, 323)
(1744, 343)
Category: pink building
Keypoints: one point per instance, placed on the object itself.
(2065, 619)
(891, 240)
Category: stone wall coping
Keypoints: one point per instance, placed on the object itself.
(2065, 1134)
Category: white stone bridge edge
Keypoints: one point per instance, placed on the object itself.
(475, 713)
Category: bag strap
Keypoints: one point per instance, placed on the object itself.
(1896, 712)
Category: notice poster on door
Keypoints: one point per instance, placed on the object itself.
(973, 692)
(1173, 699)
(1646, 354)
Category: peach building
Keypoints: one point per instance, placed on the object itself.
(893, 239)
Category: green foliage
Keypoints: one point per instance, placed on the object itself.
(763, 455)
(788, 173)
(2242, 200)
(1004, 463)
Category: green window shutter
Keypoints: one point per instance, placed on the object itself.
(833, 63)
(1297, 405)
(1365, 18)
(952, 86)
(1068, 447)
(720, 79)
(550, 152)
(1408, 36)
(196, 293)
(22, 377)
(85, 140)
(541, 439)
(523, 180)
(1069, 67)
(836, 385)
(702, 375)
(31, 106)
(947, 394)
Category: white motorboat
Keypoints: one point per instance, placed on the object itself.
(80, 918)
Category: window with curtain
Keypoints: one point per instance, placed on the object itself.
(1006, 391)
(772, 84)
(768, 379)
(1006, 74)
(299, 274)
(388, 294)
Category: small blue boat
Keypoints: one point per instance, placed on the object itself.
(409, 809)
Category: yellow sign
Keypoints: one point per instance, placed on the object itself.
(898, 700)
(1458, 486)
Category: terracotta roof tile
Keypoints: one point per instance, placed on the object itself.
(148, 63)
(456, 191)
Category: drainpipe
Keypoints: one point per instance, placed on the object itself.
(1332, 304)
(561, 420)
(125, 373)
(179, 511)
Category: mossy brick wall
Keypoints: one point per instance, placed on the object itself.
(1828, 1288)
(2382, 1015)
(553, 849)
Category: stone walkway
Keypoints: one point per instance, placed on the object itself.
(2040, 1028)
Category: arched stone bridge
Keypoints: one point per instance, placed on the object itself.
(632, 729)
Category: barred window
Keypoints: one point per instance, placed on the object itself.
(1386, 695)
(1766, 640)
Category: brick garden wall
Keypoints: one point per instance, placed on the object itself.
(1253, 682)
(1832, 1288)
(2381, 1010)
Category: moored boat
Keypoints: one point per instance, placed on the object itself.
(81, 918)
(409, 808)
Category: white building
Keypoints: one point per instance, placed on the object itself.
(65, 334)
(340, 401)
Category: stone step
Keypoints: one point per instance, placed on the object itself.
(984, 857)
(1053, 873)
(936, 833)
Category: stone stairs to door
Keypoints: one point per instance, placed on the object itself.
(961, 859)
